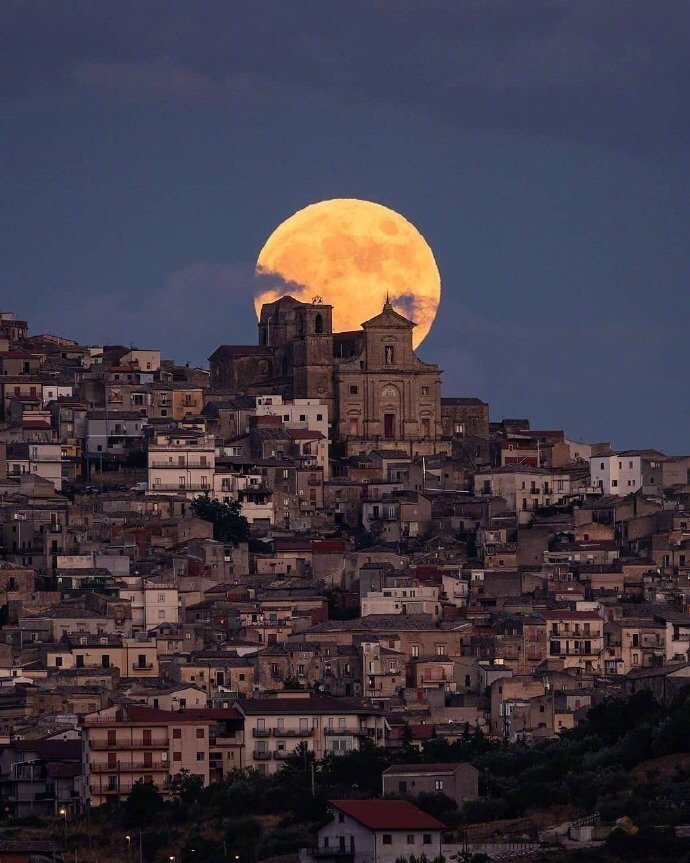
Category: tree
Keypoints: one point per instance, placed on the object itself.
(229, 525)
(187, 787)
(144, 804)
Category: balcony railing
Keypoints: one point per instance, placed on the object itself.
(261, 732)
(188, 465)
(281, 754)
(293, 732)
(190, 486)
(142, 666)
(262, 755)
(325, 851)
(129, 766)
(160, 743)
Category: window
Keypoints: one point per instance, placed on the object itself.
(341, 817)
(200, 734)
(439, 784)
(410, 838)
(426, 839)
(201, 756)
(319, 417)
(177, 733)
(425, 391)
(415, 650)
(177, 756)
(387, 839)
(353, 390)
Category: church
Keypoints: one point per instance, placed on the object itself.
(378, 392)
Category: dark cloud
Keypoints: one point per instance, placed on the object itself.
(586, 69)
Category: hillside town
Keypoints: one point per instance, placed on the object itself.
(309, 547)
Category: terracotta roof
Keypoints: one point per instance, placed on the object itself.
(388, 814)
(303, 706)
(420, 769)
(216, 714)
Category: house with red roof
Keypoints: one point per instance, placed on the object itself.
(376, 831)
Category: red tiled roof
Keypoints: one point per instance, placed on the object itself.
(213, 713)
(141, 713)
(388, 814)
(328, 546)
(418, 731)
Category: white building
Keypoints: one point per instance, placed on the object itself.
(402, 600)
(52, 392)
(40, 459)
(152, 603)
(181, 462)
(376, 831)
(619, 473)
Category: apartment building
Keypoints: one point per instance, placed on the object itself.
(383, 671)
(125, 744)
(576, 637)
(41, 459)
(181, 462)
(633, 643)
(417, 599)
(130, 656)
(113, 433)
(273, 727)
(525, 489)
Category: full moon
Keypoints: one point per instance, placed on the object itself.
(352, 254)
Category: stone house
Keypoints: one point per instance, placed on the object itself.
(460, 782)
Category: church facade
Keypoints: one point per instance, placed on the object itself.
(378, 392)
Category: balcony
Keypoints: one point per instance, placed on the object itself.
(160, 743)
(325, 851)
(262, 755)
(281, 754)
(128, 766)
(261, 732)
(190, 486)
(121, 788)
(293, 732)
(187, 465)
(142, 666)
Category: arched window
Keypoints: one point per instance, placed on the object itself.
(318, 324)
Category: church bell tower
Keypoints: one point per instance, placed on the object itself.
(313, 354)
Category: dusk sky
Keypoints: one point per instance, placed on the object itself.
(542, 149)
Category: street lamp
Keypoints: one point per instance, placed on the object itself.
(63, 812)
(129, 848)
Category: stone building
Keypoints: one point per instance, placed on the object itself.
(375, 387)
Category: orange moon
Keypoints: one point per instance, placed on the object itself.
(352, 254)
